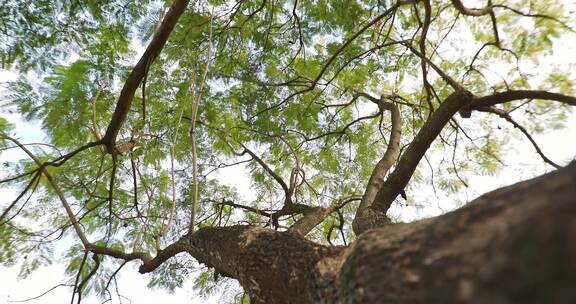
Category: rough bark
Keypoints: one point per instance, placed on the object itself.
(273, 267)
(513, 245)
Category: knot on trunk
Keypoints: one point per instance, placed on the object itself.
(466, 110)
(368, 219)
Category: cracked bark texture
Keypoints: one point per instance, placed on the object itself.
(513, 245)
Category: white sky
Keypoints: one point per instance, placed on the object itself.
(522, 162)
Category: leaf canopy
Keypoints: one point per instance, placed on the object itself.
(280, 79)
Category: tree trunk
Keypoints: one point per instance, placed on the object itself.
(513, 245)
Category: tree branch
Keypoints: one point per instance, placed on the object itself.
(471, 11)
(503, 114)
(512, 95)
(453, 83)
(268, 170)
(57, 189)
(247, 208)
(392, 9)
(140, 70)
(422, 45)
(95, 129)
(75, 224)
(390, 156)
(401, 175)
(304, 225)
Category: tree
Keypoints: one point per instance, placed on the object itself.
(330, 105)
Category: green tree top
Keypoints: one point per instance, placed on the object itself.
(323, 102)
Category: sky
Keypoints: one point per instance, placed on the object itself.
(522, 163)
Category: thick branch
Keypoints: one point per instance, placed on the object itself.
(390, 156)
(471, 11)
(406, 166)
(140, 71)
(508, 96)
(513, 245)
(246, 253)
(163, 255)
(458, 101)
(416, 150)
(143, 256)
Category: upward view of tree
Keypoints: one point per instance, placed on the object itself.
(337, 110)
